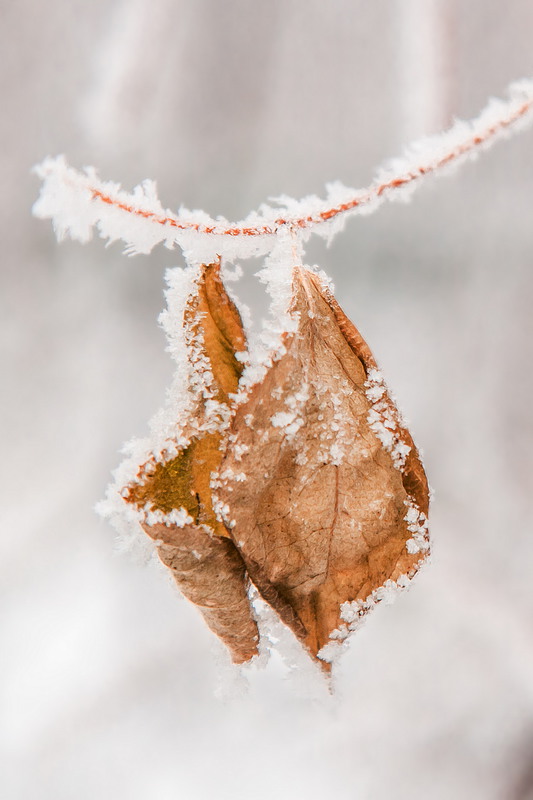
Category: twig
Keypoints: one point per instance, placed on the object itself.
(67, 192)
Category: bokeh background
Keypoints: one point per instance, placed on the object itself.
(109, 685)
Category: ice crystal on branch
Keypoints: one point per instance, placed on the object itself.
(76, 201)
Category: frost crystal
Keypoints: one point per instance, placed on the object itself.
(417, 524)
(385, 420)
(354, 614)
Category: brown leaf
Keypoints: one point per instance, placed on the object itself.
(211, 574)
(205, 563)
(214, 334)
(322, 493)
(332, 498)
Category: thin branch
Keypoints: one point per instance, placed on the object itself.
(67, 193)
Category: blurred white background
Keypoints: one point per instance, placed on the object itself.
(107, 678)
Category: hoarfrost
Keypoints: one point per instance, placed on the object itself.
(289, 422)
(384, 419)
(77, 202)
(282, 419)
(354, 614)
(173, 426)
(417, 524)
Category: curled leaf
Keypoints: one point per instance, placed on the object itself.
(214, 335)
(211, 574)
(174, 494)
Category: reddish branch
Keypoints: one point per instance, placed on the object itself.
(376, 190)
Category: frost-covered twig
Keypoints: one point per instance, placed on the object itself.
(78, 201)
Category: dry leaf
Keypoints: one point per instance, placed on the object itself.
(335, 498)
(316, 492)
(205, 564)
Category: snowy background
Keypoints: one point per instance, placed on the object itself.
(107, 678)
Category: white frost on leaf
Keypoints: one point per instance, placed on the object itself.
(384, 419)
(178, 517)
(173, 427)
(304, 673)
(417, 524)
(288, 421)
(354, 613)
